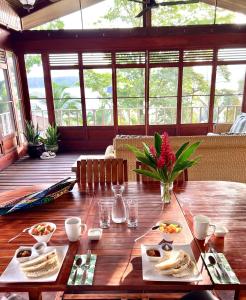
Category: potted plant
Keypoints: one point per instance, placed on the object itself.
(165, 165)
(51, 139)
(35, 146)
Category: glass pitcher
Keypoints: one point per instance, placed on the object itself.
(118, 208)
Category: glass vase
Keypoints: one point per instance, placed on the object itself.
(166, 192)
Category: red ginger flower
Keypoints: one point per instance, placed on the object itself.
(167, 156)
(152, 151)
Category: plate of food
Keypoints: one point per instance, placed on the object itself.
(36, 267)
(178, 264)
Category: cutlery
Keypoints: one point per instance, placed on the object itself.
(15, 237)
(214, 264)
(220, 264)
(86, 266)
(78, 264)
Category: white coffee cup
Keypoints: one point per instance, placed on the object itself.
(201, 225)
(73, 227)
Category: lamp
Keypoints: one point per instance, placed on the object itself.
(27, 4)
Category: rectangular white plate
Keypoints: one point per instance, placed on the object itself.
(151, 274)
(13, 273)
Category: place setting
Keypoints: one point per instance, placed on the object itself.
(217, 265)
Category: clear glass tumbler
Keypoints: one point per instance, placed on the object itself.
(132, 213)
(104, 214)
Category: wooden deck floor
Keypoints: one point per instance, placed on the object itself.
(27, 172)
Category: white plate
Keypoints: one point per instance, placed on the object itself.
(13, 273)
(151, 274)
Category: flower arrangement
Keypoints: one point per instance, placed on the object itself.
(165, 165)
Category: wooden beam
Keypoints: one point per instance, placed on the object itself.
(236, 6)
(54, 11)
(136, 39)
(8, 17)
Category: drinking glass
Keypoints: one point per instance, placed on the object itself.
(132, 213)
(104, 214)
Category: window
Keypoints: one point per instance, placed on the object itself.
(14, 84)
(194, 14)
(196, 94)
(67, 97)
(6, 125)
(35, 78)
(163, 86)
(98, 97)
(229, 92)
(130, 96)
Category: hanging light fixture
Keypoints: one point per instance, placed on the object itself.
(28, 4)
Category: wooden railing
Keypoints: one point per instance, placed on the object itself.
(133, 116)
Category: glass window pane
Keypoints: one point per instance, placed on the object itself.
(3, 86)
(20, 120)
(163, 86)
(6, 125)
(196, 94)
(67, 97)
(130, 96)
(35, 78)
(13, 75)
(228, 92)
(98, 97)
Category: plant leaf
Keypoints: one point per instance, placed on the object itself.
(158, 143)
(147, 173)
(181, 149)
(188, 152)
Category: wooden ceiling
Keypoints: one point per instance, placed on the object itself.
(48, 10)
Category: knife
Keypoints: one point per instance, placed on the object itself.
(220, 264)
(86, 266)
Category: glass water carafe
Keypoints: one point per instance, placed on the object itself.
(118, 208)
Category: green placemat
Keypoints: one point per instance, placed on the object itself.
(227, 267)
(90, 271)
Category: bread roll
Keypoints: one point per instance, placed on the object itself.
(42, 258)
(49, 269)
(173, 261)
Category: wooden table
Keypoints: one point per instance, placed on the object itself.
(119, 264)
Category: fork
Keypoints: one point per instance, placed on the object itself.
(86, 266)
(15, 237)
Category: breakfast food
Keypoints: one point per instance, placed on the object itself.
(40, 266)
(170, 227)
(24, 253)
(176, 263)
(153, 253)
(42, 229)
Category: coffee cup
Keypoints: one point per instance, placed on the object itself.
(74, 228)
(201, 225)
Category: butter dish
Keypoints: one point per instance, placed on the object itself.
(94, 234)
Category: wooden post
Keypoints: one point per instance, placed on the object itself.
(244, 96)
(114, 91)
(179, 96)
(212, 91)
(146, 92)
(27, 114)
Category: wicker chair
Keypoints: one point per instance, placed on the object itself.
(92, 172)
(183, 177)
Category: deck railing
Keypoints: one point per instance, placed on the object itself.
(131, 116)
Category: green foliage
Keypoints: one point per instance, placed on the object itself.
(51, 136)
(53, 25)
(165, 174)
(31, 133)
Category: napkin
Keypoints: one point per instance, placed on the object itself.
(90, 271)
(227, 267)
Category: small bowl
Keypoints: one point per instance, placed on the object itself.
(26, 258)
(94, 234)
(156, 248)
(220, 231)
(43, 238)
(39, 248)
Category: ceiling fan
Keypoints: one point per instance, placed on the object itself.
(153, 4)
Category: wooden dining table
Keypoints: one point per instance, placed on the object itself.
(119, 265)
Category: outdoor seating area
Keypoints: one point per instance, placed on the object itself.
(122, 149)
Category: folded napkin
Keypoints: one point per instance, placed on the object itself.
(227, 267)
(80, 272)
